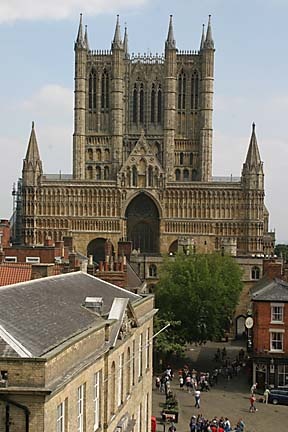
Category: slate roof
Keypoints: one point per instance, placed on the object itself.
(11, 273)
(275, 290)
(43, 313)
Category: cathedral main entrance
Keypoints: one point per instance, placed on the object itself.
(143, 224)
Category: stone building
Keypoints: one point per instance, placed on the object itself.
(75, 354)
(142, 162)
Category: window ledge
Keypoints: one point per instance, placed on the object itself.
(277, 322)
(276, 351)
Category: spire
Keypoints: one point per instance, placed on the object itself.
(80, 40)
(170, 42)
(253, 155)
(32, 154)
(125, 43)
(202, 38)
(209, 43)
(117, 43)
(85, 42)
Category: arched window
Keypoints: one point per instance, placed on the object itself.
(177, 174)
(98, 173)
(194, 175)
(153, 100)
(186, 175)
(135, 106)
(90, 172)
(90, 154)
(150, 176)
(195, 90)
(181, 91)
(98, 155)
(105, 91)
(106, 173)
(181, 158)
(191, 159)
(255, 273)
(107, 154)
(141, 110)
(134, 176)
(92, 91)
(152, 270)
(159, 105)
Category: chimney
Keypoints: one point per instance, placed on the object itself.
(48, 242)
(94, 304)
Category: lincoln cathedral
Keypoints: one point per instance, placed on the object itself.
(142, 161)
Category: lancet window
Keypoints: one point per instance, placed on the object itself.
(92, 91)
(181, 91)
(195, 90)
(105, 91)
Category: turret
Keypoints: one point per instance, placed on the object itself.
(170, 100)
(117, 102)
(125, 43)
(207, 83)
(80, 47)
(32, 165)
(202, 38)
(252, 172)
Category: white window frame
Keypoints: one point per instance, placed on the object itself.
(147, 348)
(279, 306)
(32, 260)
(278, 332)
(140, 364)
(80, 408)
(10, 259)
(284, 374)
(120, 380)
(96, 399)
(60, 419)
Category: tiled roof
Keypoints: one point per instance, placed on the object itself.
(11, 273)
(43, 313)
(270, 290)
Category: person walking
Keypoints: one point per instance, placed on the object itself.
(197, 394)
(252, 404)
(254, 387)
(266, 395)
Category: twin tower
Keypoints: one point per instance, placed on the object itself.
(169, 99)
(142, 160)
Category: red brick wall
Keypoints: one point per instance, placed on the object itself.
(5, 230)
(262, 324)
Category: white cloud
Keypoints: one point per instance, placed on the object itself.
(52, 102)
(13, 10)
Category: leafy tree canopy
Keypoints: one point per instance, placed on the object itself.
(281, 250)
(200, 293)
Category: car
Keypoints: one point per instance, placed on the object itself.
(278, 396)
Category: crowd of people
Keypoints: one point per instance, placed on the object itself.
(196, 382)
(222, 424)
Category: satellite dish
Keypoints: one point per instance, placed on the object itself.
(249, 322)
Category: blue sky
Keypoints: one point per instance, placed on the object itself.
(251, 69)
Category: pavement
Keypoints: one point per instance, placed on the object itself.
(228, 398)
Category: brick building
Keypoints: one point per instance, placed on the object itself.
(270, 333)
(74, 350)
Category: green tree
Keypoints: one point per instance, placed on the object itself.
(200, 293)
(281, 250)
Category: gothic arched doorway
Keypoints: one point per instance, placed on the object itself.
(143, 224)
(97, 248)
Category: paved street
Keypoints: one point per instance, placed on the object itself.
(229, 399)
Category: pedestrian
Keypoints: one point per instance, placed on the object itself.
(266, 395)
(252, 403)
(172, 428)
(227, 425)
(240, 427)
(197, 398)
(157, 383)
(181, 382)
(254, 387)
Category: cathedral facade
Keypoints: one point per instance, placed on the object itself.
(142, 161)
